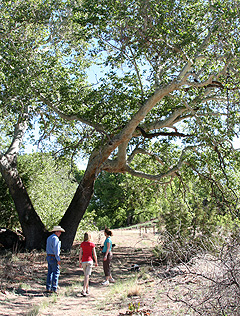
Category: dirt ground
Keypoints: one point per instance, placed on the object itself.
(23, 279)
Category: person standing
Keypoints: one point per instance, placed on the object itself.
(107, 256)
(53, 259)
(87, 252)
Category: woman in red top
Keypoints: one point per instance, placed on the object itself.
(86, 255)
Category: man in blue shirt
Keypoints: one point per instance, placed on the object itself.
(53, 259)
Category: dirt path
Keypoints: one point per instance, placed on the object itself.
(23, 282)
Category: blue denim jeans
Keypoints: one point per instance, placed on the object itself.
(53, 274)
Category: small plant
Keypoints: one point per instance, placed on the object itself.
(24, 286)
(134, 307)
(34, 311)
(14, 258)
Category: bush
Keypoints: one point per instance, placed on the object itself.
(218, 280)
(186, 229)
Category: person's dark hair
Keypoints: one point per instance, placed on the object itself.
(87, 237)
(108, 232)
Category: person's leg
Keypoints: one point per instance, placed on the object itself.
(110, 279)
(87, 274)
(49, 275)
(56, 273)
(106, 268)
(86, 283)
(86, 277)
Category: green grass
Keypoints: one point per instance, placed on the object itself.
(35, 310)
(74, 288)
(24, 286)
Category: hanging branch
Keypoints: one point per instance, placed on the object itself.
(151, 135)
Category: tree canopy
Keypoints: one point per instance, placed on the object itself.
(168, 95)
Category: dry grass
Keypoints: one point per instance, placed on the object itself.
(134, 290)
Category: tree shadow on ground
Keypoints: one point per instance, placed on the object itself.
(124, 258)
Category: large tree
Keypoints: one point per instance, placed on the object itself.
(171, 73)
(34, 61)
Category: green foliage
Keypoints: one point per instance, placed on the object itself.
(87, 224)
(193, 213)
(109, 201)
(187, 221)
(9, 217)
(39, 68)
(50, 185)
(120, 200)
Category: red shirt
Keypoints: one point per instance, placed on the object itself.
(87, 247)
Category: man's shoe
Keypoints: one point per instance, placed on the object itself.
(83, 293)
(112, 280)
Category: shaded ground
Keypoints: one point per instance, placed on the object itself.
(23, 282)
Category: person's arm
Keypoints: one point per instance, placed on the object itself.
(107, 252)
(56, 249)
(80, 257)
(95, 257)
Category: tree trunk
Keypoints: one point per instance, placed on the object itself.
(76, 210)
(10, 240)
(33, 229)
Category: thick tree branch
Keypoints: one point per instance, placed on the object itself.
(171, 172)
(152, 135)
(113, 166)
(127, 131)
(167, 122)
(19, 131)
(122, 154)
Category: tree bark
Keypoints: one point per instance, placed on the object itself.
(76, 209)
(33, 229)
(10, 240)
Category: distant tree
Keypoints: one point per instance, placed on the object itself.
(197, 204)
(50, 184)
(121, 200)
